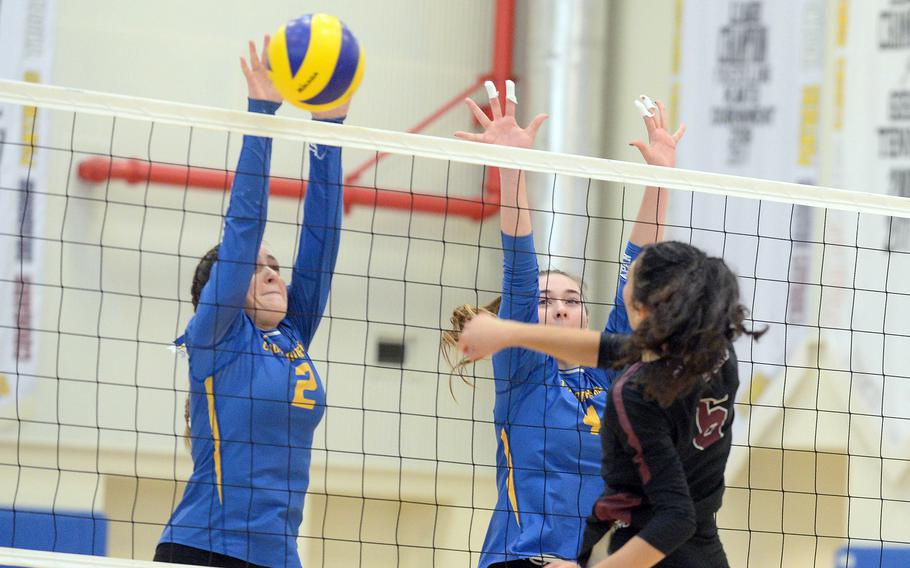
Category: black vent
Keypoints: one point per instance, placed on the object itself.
(391, 352)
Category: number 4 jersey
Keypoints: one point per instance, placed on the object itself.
(663, 468)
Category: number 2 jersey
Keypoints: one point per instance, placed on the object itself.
(663, 468)
(255, 396)
(547, 423)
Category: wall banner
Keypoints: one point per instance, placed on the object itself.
(26, 41)
(748, 84)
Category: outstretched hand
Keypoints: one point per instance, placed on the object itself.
(258, 84)
(660, 150)
(502, 130)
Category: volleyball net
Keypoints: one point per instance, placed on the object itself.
(108, 202)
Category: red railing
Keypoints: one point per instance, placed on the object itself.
(99, 169)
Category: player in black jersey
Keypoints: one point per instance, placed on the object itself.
(667, 435)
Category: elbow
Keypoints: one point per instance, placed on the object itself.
(687, 527)
(686, 523)
(684, 527)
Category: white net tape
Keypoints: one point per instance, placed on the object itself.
(89, 102)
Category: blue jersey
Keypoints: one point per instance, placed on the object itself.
(255, 396)
(547, 423)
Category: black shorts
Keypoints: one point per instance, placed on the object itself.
(179, 554)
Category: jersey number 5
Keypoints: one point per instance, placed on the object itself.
(710, 420)
(306, 382)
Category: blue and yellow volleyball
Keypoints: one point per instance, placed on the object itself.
(315, 62)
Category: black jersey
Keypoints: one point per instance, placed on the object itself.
(663, 468)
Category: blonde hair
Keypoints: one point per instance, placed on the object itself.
(449, 341)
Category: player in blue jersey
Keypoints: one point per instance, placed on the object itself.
(547, 412)
(255, 395)
(666, 435)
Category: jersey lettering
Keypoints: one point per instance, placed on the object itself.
(583, 395)
(710, 419)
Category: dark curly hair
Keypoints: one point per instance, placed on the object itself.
(694, 313)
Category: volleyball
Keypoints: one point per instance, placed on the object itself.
(315, 62)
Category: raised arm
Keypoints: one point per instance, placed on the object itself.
(503, 130)
(660, 150)
(320, 235)
(520, 272)
(520, 293)
(223, 297)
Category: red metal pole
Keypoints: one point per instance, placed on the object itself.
(99, 169)
(503, 40)
(503, 46)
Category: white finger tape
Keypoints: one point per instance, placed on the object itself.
(643, 109)
(492, 93)
(510, 91)
(646, 100)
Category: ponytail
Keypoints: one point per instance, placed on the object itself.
(449, 341)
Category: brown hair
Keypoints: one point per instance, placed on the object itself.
(200, 279)
(202, 274)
